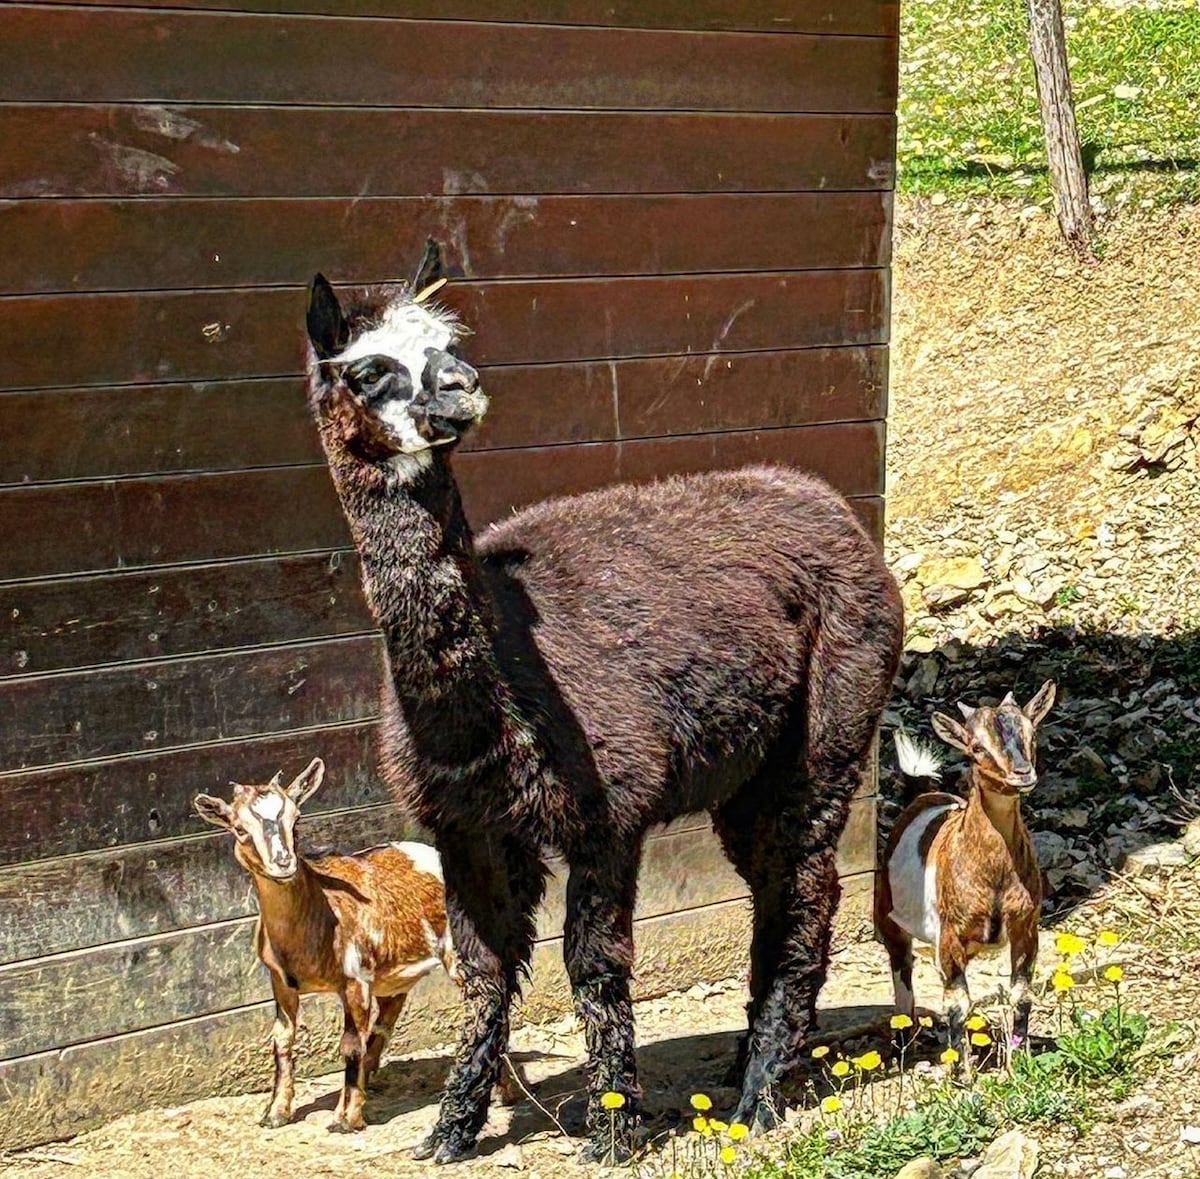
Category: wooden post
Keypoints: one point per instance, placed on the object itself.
(1048, 45)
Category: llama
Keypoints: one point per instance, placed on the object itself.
(367, 927)
(586, 669)
(963, 877)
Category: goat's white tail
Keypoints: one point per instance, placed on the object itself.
(916, 758)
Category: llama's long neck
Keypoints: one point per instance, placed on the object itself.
(423, 586)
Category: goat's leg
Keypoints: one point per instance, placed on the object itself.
(283, 1038)
(1023, 948)
(952, 963)
(493, 886)
(598, 950)
(390, 1007)
(356, 1000)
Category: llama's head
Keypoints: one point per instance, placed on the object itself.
(1000, 741)
(386, 371)
(263, 820)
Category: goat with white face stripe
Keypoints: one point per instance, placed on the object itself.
(963, 877)
(399, 388)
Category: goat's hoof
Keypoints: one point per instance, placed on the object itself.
(437, 1149)
(274, 1121)
(341, 1126)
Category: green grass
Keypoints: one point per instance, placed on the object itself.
(969, 121)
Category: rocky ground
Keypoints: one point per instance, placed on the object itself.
(1044, 505)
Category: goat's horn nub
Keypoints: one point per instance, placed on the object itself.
(966, 710)
(1008, 699)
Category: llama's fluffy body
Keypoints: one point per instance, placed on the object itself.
(595, 665)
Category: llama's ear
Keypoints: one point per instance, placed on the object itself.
(431, 269)
(327, 326)
(951, 731)
(214, 810)
(305, 784)
(1041, 703)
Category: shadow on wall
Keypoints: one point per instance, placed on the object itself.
(1119, 753)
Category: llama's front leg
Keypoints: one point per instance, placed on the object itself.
(348, 1117)
(493, 886)
(598, 950)
(283, 1038)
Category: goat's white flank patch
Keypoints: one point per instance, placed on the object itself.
(352, 964)
(914, 883)
(424, 858)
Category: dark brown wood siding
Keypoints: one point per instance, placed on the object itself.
(672, 224)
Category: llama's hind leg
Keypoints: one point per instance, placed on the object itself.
(493, 886)
(598, 949)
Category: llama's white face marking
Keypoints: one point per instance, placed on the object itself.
(404, 332)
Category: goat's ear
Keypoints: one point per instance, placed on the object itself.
(951, 731)
(431, 269)
(1041, 703)
(307, 782)
(214, 810)
(327, 326)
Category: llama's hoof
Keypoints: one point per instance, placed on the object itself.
(341, 1126)
(274, 1121)
(438, 1149)
(604, 1150)
(756, 1114)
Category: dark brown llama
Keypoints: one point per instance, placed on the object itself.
(588, 668)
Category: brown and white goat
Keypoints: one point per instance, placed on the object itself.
(963, 877)
(365, 927)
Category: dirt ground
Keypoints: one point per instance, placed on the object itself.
(1015, 373)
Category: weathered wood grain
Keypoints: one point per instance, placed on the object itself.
(81, 622)
(207, 969)
(225, 151)
(69, 55)
(157, 244)
(210, 335)
(878, 18)
(85, 806)
(168, 429)
(46, 720)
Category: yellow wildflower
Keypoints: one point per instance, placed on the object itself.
(831, 1104)
(737, 1132)
(1069, 944)
(1106, 937)
(611, 1100)
(718, 1127)
(840, 1069)
(950, 1056)
(926, 1021)
(1114, 974)
(820, 1051)
(701, 1126)
(728, 1154)
(1062, 981)
(701, 1102)
(867, 1061)
(976, 1023)
(900, 1022)
(980, 1039)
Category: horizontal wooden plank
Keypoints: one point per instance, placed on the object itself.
(49, 1095)
(207, 335)
(47, 720)
(153, 244)
(89, 55)
(198, 971)
(128, 800)
(81, 622)
(95, 527)
(76, 150)
(166, 429)
(864, 17)
(850, 456)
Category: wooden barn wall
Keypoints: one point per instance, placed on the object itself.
(672, 226)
